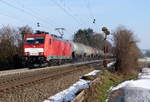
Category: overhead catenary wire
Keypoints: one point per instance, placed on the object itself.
(92, 21)
(17, 20)
(5, 15)
(43, 16)
(67, 12)
(92, 17)
(23, 10)
(36, 19)
(70, 10)
(20, 9)
(37, 13)
(88, 5)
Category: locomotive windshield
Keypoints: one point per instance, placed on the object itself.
(35, 40)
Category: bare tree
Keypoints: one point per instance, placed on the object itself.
(11, 45)
(8, 45)
(126, 50)
(23, 31)
(90, 38)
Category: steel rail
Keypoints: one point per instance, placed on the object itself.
(20, 82)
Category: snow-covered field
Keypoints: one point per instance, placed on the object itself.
(70, 93)
(135, 90)
(145, 59)
(143, 81)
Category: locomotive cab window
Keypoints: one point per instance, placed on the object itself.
(35, 40)
(30, 40)
(39, 40)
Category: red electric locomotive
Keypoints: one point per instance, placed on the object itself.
(41, 48)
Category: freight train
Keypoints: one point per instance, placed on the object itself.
(44, 49)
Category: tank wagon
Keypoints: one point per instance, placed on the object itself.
(81, 51)
(43, 48)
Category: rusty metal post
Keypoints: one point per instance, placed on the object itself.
(106, 32)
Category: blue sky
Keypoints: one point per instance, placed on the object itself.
(134, 14)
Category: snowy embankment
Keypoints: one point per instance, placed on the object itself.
(145, 59)
(135, 90)
(143, 81)
(70, 93)
(111, 64)
(92, 73)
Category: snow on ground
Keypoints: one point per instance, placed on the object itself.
(145, 74)
(143, 81)
(110, 64)
(145, 59)
(93, 73)
(70, 93)
(134, 90)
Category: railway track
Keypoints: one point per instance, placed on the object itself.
(21, 80)
(19, 73)
(13, 71)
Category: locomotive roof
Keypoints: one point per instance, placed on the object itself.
(44, 34)
(58, 38)
(35, 35)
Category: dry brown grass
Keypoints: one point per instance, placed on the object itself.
(99, 91)
(127, 52)
(92, 93)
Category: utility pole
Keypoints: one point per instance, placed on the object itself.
(60, 31)
(106, 32)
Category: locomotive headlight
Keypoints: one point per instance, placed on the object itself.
(41, 53)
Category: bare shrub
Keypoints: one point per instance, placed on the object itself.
(126, 50)
(8, 46)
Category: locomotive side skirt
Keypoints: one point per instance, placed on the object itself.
(58, 57)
